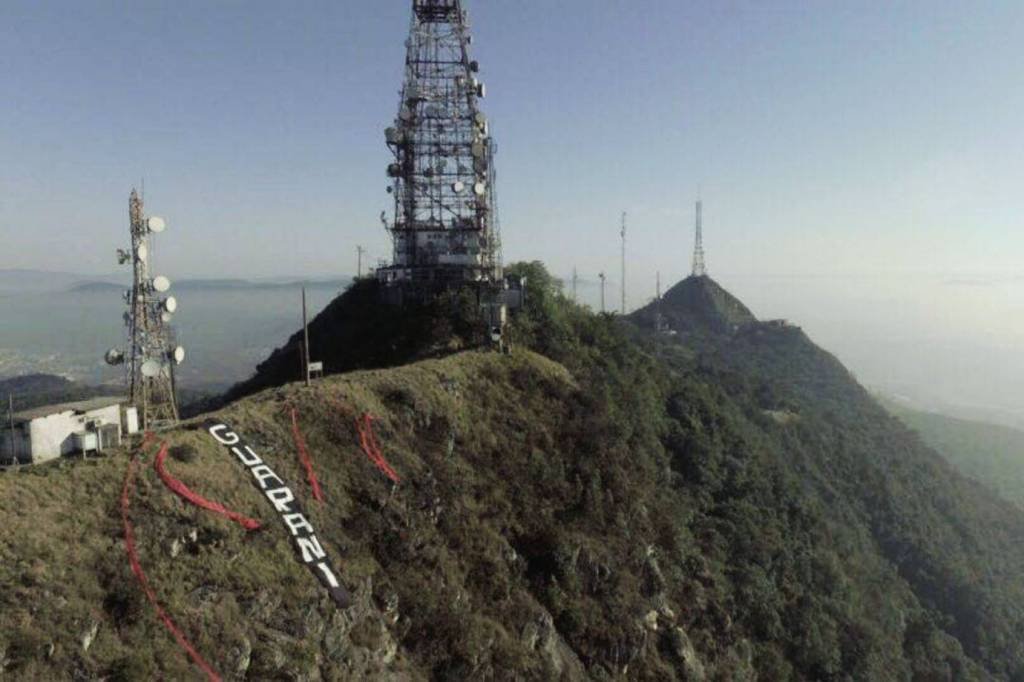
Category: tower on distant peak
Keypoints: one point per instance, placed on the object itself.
(699, 267)
(444, 226)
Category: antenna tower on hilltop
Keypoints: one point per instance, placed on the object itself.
(623, 235)
(444, 226)
(699, 268)
(152, 354)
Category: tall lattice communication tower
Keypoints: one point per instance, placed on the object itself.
(445, 225)
(699, 267)
(151, 353)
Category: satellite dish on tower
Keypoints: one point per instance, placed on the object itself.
(479, 188)
(142, 252)
(478, 149)
(458, 187)
(114, 356)
(170, 304)
(150, 369)
(156, 224)
(178, 355)
(166, 318)
(161, 284)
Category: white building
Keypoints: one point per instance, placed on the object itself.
(46, 433)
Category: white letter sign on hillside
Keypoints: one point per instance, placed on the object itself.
(310, 551)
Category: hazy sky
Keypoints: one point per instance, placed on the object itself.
(860, 145)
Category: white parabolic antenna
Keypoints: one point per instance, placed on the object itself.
(179, 355)
(142, 252)
(166, 318)
(156, 224)
(150, 368)
(458, 186)
(170, 304)
(479, 188)
(161, 283)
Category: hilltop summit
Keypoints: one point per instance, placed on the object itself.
(697, 304)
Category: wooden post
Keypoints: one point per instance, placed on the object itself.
(10, 415)
(305, 336)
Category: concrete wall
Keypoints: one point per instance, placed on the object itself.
(52, 436)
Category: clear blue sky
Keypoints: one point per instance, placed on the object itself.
(827, 137)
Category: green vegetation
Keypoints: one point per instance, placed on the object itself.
(990, 454)
(602, 503)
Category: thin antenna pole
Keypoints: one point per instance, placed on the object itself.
(575, 278)
(699, 266)
(601, 276)
(623, 262)
(359, 255)
(305, 339)
(657, 279)
(10, 414)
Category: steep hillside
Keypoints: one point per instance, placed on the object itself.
(990, 454)
(618, 504)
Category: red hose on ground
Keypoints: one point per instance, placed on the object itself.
(184, 492)
(307, 461)
(371, 447)
(133, 559)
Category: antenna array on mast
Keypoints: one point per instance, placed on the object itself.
(444, 226)
(151, 353)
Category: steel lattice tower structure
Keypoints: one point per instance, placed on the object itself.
(445, 226)
(151, 353)
(699, 267)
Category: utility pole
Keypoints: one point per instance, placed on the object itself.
(305, 339)
(601, 276)
(359, 259)
(10, 414)
(575, 279)
(623, 263)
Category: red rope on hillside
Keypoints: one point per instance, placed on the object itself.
(307, 461)
(184, 492)
(133, 559)
(371, 447)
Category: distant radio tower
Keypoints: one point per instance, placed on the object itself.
(699, 268)
(602, 278)
(575, 279)
(359, 261)
(151, 354)
(623, 262)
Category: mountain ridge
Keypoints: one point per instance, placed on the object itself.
(604, 502)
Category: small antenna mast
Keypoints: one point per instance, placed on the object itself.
(623, 262)
(602, 278)
(699, 267)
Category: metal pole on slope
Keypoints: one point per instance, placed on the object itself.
(10, 415)
(359, 260)
(305, 339)
(601, 276)
(575, 278)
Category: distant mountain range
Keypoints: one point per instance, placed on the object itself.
(28, 281)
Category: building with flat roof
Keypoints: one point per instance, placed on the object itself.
(45, 433)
